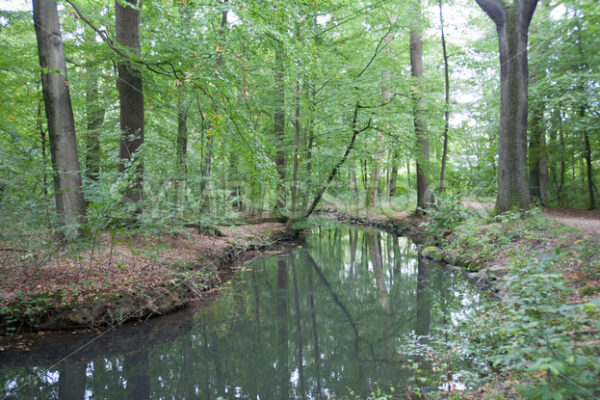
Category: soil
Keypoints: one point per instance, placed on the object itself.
(588, 220)
(116, 277)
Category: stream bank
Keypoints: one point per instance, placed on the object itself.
(117, 278)
(540, 339)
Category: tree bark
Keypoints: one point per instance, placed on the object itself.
(512, 19)
(424, 193)
(70, 205)
(131, 100)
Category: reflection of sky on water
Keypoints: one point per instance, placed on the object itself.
(354, 309)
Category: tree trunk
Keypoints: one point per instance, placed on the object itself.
(446, 101)
(424, 194)
(394, 174)
(296, 151)
(183, 106)
(538, 166)
(95, 116)
(590, 175)
(372, 188)
(512, 24)
(131, 100)
(279, 127)
(582, 109)
(70, 205)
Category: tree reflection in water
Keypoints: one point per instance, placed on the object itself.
(353, 310)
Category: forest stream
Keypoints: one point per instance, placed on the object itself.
(351, 311)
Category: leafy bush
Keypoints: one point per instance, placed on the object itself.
(447, 214)
(537, 334)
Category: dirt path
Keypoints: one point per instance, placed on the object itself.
(587, 220)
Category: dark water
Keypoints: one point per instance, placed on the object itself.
(351, 311)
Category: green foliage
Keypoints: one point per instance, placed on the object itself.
(445, 216)
(534, 332)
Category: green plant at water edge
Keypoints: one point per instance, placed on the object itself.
(447, 214)
(534, 332)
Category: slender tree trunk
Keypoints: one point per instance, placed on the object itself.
(279, 127)
(512, 20)
(131, 100)
(95, 116)
(372, 188)
(424, 194)
(70, 205)
(590, 174)
(309, 149)
(296, 151)
(394, 173)
(354, 184)
(40, 129)
(582, 110)
(205, 170)
(183, 106)
(446, 101)
(538, 166)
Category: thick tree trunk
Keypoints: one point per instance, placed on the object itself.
(131, 99)
(446, 101)
(512, 24)
(424, 193)
(70, 205)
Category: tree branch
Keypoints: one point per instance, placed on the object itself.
(337, 166)
(381, 41)
(494, 9)
(528, 8)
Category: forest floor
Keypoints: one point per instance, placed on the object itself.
(116, 276)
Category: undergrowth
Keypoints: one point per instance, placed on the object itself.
(542, 336)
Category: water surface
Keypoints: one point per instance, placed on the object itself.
(351, 311)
